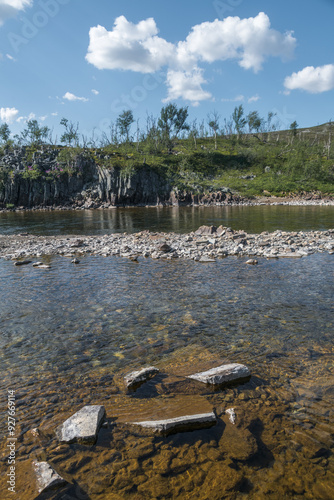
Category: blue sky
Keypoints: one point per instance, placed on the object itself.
(87, 61)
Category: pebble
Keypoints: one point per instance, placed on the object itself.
(193, 246)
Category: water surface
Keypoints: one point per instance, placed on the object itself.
(181, 220)
(70, 333)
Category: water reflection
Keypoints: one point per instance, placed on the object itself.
(180, 220)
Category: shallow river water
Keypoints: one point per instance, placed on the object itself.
(69, 334)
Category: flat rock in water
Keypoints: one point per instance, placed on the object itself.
(185, 423)
(47, 477)
(139, 376)
(290, 255)
(222, 374)
(252, 262)
(22, 262)
(83, 426)
(204, 258)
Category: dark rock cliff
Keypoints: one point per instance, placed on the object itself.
(88, 185)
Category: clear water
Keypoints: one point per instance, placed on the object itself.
(69, 334)
(181, 220)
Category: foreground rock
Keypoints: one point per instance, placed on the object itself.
(222, 374)
(47, 477)
(185, 423)
(138, 377)
(83, 426)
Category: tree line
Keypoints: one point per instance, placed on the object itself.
(160, 132)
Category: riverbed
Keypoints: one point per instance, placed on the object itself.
(70, 332)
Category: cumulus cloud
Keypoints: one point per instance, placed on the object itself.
(311, 79)
(186, 85)
(8, 115)
(137, 47)
(250, 41)
(72, 97)
(9, 8)
(129, 46)
(95, 92)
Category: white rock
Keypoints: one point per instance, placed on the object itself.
(232, 416)
(82, 426)
(47, 477)
(187, 422)
(222, 374)
(139, 376)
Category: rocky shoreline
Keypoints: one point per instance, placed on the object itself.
(206, 244)
(211, 199)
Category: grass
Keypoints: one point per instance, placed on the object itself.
(275, 163)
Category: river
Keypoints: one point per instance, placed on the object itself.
(69, 334)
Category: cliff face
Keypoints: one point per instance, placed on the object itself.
(89, 185)
(142, 186)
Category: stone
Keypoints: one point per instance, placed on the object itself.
(185, 423)
(204, 230)
(232, 416)
(252, 262)
(222, 374)
(22, 262)
(75, 261)
(205, 258)
(137, 377)
(83, 426)
(47, 477)
(36, 264)
(165, 248)
(43, 266)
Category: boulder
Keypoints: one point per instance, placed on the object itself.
(83, 426)
(185, 423)
(222, 374)
(252, 262)
(47, 477)
(137, 377)
(22, 262)
(165, 248)
(205, 230)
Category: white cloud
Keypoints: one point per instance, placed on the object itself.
(71, 97)
(250, 41)
(129, 46)
(9, 8)
(11, 58)
(137, 47)
(238, 98)
(43, 118)
(254, 98)
(8, 115)
(31, 116)
(95, 92)
(186, 85)
(311, 79)
(55, 113)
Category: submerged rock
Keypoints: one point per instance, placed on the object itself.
(137, 377)
(252, 262)
(185, 423)
(83, 426)
(47, 477)
(22, 262)
(222, 374)
(231, 415)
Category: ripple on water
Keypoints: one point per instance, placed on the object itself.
(70, 334)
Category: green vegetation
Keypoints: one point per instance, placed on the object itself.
(262, 161)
